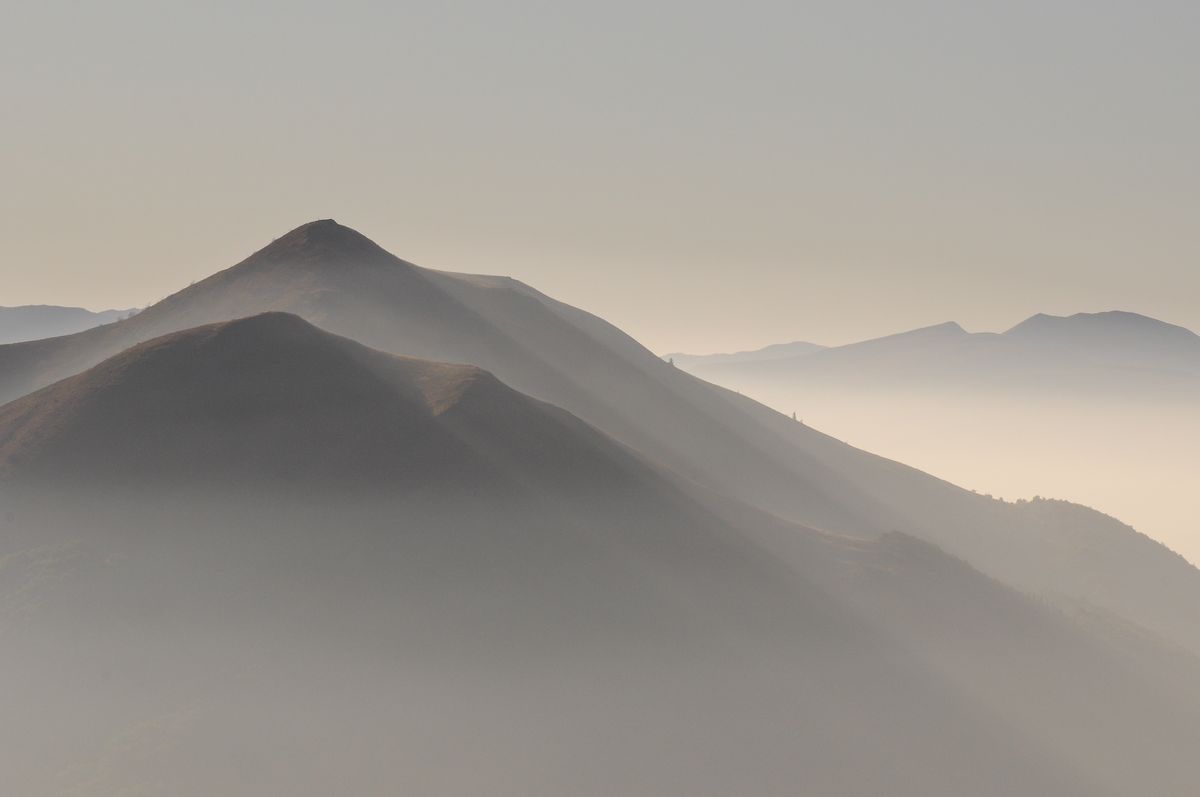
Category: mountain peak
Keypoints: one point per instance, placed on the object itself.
(323, 238)
(1110, 322)
(950, 329)
(318, 246)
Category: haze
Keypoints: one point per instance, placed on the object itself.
(705, 176)
(243, 554)
(339, 455)
(1109, 420)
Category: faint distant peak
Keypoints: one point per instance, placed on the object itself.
(776, 351)
(948, 329)
(949, 333)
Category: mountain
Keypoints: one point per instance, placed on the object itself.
(1115, 339)
(1097, 407)
(271, 396)
(32, 322)
(255, 557)
(776, 351)
(1114, 327)
(1115, 353)
(341, 281)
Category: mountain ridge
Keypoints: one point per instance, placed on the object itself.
(590, 591)
(699, 432)
(1097, 350)
(1110, 318)
(192, 406)
(1031, 327)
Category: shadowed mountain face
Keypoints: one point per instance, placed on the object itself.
(391, 572)
(277, 399)
(32, 322)
(341, 281)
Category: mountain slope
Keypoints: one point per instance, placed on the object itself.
(251, 597)
(275, 398)
(346, 284)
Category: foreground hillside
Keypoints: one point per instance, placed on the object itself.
(343, 282)
(273, 398)
(254, 557)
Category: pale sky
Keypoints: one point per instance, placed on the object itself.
(709, 176)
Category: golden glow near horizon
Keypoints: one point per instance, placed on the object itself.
(707, 177)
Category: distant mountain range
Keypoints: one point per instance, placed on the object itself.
(777, 351)
(255, 523)
(32, 322)
(1116, 352)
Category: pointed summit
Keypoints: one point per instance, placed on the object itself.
(299, 273)
(944, 328)
(322, 241)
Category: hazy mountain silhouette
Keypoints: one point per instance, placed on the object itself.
(1105, 329)
(1115, 352)
(257, 557)
(1096, 407)
(343, 282)
(31, 322)
(776, 351)
(1115, 339)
